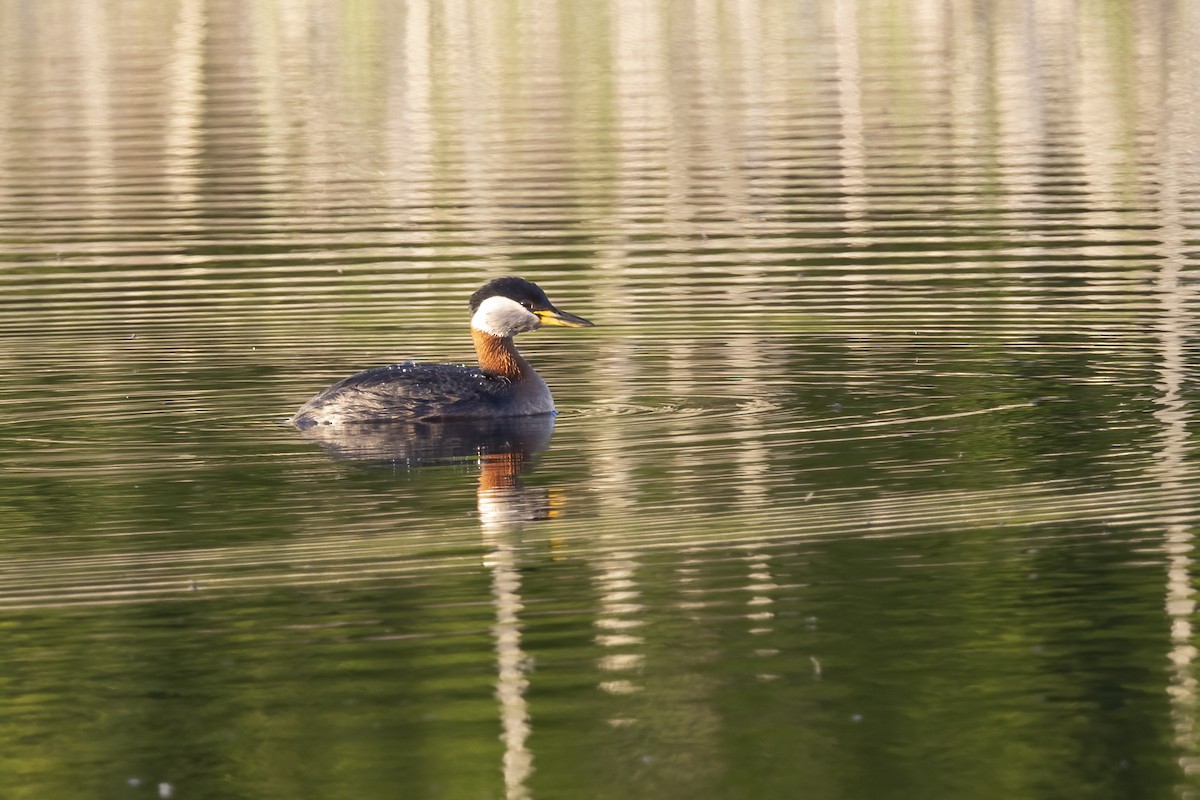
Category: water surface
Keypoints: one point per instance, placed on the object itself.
(875, 478)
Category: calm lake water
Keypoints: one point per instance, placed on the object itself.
(875, 479)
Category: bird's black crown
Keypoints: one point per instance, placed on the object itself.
(519, 290)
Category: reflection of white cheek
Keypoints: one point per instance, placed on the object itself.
(494, 507)
(500, 507)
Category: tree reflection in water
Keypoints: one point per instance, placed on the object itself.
(504, 449)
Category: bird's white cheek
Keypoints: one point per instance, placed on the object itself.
(500, 316)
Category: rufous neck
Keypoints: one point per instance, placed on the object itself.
(498, 355)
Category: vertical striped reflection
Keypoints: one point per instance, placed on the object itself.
(184, 124)
(618, 619)
(760, 607)
(852, 140)
(1174, 328)
(511, 681)
(504, 504)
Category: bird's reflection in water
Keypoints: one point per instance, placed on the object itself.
(504, 449)
(412, 445)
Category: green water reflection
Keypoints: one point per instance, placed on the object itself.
(850, 683)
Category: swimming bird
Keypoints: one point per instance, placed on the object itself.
(503, 385)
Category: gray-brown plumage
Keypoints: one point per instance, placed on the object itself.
(503, 385)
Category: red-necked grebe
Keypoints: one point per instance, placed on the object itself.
(503, 385)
